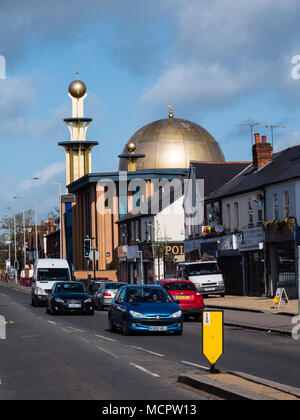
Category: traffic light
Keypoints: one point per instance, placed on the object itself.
(87, 247)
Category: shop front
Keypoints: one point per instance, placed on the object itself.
(281, 257)
(253, 254)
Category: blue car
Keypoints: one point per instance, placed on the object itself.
(144, 308)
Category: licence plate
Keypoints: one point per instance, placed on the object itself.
(182, 297)
(158, 328)
(209, 289)
(74, 305)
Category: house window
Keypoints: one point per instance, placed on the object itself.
(275, 206)
(228, 217)
(250, 212)
(259, 212)
(236, 216)
(209, 215)
(286, 198)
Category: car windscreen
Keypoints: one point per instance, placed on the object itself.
(53, 274)
(203, 269)
(147, 295)
(180, 286)
(70, 288)
(113, 286)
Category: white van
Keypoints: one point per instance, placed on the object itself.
(46, 272)
(206, 275)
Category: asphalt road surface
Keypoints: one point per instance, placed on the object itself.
(75, 357)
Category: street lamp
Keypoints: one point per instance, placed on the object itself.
(35, 221)
(60, 215)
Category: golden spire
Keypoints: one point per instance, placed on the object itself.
(171, 115)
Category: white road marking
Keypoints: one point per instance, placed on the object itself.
(148, 351)
(65, 330)
(105, 338)
(76, 329)
(145, 370)
(108, 352)
(83, 339)
(194, 364)
(52, 322)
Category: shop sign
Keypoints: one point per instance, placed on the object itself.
(174, 249)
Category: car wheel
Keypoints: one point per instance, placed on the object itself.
(178, 332)
(91, 312)
(125, 330)
(32, 301)
(111, 327)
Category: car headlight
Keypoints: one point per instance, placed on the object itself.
(89, 300)
(59, 300)
(39, 291)
(136, 314)
(176, 314)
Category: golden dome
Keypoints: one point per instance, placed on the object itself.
(77, 89)
(173, 143)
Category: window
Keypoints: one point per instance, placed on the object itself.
(236, 216)
(286, 199)
(259, 212)
(250, 212)
(228, 224)
(275, 206)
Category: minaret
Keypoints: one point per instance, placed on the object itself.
(78, 150)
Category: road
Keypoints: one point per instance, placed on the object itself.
(76, 357)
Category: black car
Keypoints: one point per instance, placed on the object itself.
(68, 297)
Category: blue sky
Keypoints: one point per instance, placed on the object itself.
(218, 63)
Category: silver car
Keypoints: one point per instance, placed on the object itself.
(106, 293)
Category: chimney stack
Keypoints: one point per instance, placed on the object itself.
(261, 151)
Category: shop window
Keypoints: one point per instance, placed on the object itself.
(286, 264)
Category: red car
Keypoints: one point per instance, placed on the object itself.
(191, 301)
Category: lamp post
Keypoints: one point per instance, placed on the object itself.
(60, 215)
(35, 222)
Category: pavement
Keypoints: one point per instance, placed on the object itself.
(259, 313)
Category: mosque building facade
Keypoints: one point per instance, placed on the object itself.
(95, 202)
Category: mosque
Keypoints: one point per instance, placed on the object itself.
(160, 150)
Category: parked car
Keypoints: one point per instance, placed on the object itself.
(191, 301)
(206, 275)
(146, 309)
(70, 297)
(105, 294)
(46, 273)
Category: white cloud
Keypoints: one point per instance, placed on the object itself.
(226, 50)
(53, 172)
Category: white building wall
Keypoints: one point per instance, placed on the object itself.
(290, 186)
(243, 211)
(169, 223)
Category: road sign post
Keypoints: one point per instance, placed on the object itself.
(213, 336)
(94, 256)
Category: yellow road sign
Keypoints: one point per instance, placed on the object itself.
(212, 335)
